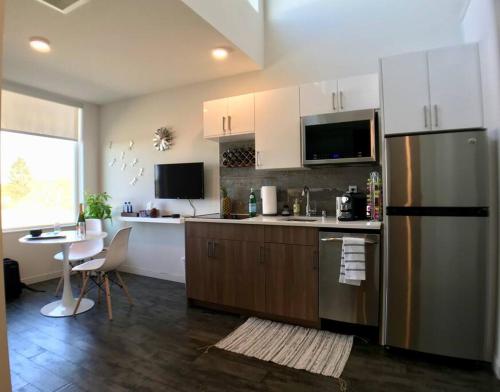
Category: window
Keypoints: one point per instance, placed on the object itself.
(38, 165)
(254, 4)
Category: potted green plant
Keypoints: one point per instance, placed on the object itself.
(97, 206)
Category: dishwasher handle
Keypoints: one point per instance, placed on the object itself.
(340, 239)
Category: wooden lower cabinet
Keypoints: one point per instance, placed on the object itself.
(240, 275)
(251, 274)
(292, 281)
(199, 284)
(225, 272)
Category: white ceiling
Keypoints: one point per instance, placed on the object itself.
(109, 50)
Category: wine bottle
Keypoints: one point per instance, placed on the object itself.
(252, 204)
(80, 224)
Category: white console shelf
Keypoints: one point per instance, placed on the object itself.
(138, 219)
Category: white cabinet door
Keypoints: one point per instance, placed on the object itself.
(455, 88)
(214, 117)
(277, 129)
(241, 114)
(359, 92)
(318, 98)
(405, 91)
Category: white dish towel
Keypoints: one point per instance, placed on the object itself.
(352, 261)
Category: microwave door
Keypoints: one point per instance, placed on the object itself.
(347, 137)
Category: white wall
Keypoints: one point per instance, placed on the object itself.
(305, 41)
(156, 250)
(238, 21)
(36, 262)
(480, 24)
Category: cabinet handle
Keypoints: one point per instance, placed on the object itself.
(333, 102)
(315, 260)
(229, 123)
(425, 117)
(224, 123)
(209, 249)
(436, 122)
(341, 97)
(257, 158)
(213, 248)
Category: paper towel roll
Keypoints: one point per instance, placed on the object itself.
(269, 200)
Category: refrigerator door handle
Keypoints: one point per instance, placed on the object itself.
(340, 239)
(425, 117)
(436, 122)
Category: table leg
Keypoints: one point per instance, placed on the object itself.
(67, 304)
(67, 298)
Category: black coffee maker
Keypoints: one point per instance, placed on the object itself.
(352, 206)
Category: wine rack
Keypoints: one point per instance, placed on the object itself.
(238, 157)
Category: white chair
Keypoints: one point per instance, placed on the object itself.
(81, 251)
(115, 255)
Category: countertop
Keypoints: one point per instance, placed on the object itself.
(320, 222)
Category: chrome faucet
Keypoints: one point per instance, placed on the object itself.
(306, 192)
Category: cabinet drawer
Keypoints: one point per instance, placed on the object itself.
(225, 231)
(291, 235)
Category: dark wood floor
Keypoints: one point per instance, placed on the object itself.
(158, 345)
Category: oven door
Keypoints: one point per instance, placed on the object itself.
(346, 137)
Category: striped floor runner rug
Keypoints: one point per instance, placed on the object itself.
(316, 351)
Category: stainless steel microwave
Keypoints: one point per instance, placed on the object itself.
(345, 137)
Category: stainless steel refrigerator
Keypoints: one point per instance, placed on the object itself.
(437, 226)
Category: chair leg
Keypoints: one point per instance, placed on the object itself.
(82, 292)
(99, 287)
(108, 296)
(124, 287)
(59, 284)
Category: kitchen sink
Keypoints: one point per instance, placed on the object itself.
(299, 220)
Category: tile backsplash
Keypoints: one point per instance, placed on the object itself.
(325, 183)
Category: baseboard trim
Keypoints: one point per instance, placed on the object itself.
(153, 274)
(496, 366)
(41, 277)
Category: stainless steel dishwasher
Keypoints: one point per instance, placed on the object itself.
(343, 302)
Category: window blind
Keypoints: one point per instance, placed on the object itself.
(23, 113)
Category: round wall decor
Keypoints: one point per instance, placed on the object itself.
(163, 139)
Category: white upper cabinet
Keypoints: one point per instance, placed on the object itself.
(241, 114)
(406, 93)
(214, 117)
(330, 96)
(455, 85)
(432, 91)
(359, 93)
(277, 129)
(318, 98)
(229, 116)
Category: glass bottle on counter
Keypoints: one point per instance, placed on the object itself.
(296, 207)
(80, 224)
(252, 204)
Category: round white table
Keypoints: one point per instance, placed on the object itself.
(66, 305)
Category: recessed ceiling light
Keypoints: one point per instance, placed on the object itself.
(220, 53)
(40, 44)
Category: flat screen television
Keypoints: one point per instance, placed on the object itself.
(179, 181)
